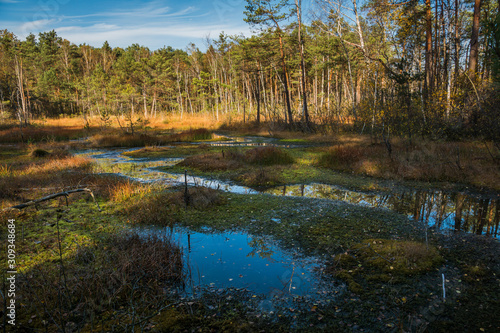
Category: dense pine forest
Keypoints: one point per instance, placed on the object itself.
(411, 68)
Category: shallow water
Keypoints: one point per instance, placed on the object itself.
(441, 210)
(239, 260)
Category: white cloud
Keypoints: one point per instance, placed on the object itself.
(153, 23)
(152, 36)
(37, 25)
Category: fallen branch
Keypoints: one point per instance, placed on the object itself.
(50, 188)
(53, 196)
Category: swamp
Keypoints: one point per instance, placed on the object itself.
(232, 232)
(320, 166)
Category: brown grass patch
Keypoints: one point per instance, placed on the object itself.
(158, 208)
(262, 177)
(28, 178)
(268, 156)
(214, 162)
(466, 162)
(124, 140)
(199, 134)
(343, 157)
(125, 275)
(41, 134)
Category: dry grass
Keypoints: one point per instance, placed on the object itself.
(466, 162)
(126, 277)
(123, 140)
(29, 177)
(120, 139)
(157, 208)
(343, 157)
(41, 134)
(214, 162)
(199, 134)
(51, 172)
(268, 156)
(234, 159)
(261, 177)
(187, 122)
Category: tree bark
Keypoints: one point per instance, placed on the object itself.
(474, 40)
(428, 49)
(305, 112)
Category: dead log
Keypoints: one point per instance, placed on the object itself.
(53, 196)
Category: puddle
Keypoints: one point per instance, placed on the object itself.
(241, 261)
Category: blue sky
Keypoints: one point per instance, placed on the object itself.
(153, 24)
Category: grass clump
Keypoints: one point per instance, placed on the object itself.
(123, 140)
(38, 152)
(381, 260)
(159, 208)
(268, 156)
(213, 162)
(341, 157)
(262, 177)
(256, 167)
(200, 134)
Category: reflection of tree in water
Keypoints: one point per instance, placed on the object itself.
(467, 213)
(260, 247)
(435, 209)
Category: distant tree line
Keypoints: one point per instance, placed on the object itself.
(413, 68)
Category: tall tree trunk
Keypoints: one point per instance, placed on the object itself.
(23, 112)
(286, 83)
(305, 112)
(457, 41)
(428, 49)
(474, 39)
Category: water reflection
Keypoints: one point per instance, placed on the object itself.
(440, 210)
(239, 260)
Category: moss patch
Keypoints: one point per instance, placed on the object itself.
(383, 260)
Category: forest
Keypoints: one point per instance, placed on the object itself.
(408, 68)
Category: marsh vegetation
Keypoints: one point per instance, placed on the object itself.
(269, 233)
(338, 174)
